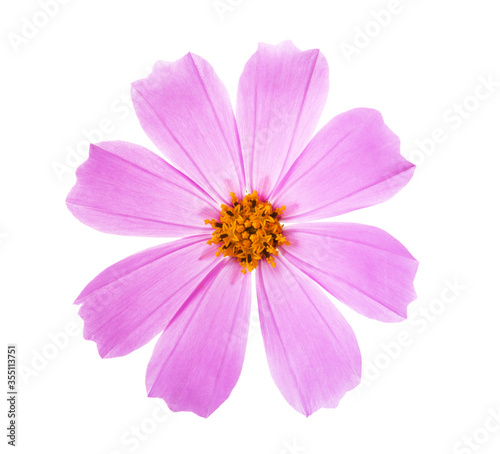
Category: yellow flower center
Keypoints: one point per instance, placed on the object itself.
(249, 230)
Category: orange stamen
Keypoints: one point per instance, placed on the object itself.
(249, 230)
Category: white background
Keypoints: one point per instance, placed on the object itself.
(71, 75)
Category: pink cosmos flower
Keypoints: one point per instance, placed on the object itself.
(234, 175)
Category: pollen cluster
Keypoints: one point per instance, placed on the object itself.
(249, 230)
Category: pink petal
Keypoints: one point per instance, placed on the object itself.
(126, 189)
(198, 358)
(351, 163)
(133, 300)
(281, 95)
(312, 351)
(185, 110)
(362, 266)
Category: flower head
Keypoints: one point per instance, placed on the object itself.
(231, 187)
(248, 230)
